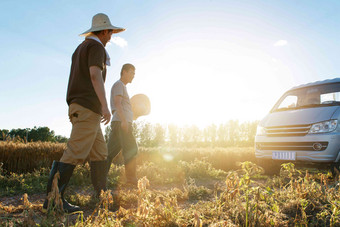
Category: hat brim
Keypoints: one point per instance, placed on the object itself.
(115, 29)
(140, 105)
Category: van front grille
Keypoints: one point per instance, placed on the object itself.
(288, 130)
(292, 146)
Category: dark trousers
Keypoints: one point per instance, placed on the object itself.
(120, 140)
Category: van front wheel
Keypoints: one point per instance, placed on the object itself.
(335, 169)
(270, 166)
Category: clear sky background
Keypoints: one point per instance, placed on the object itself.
(199, 61)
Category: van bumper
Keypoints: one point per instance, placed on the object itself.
(303, 153)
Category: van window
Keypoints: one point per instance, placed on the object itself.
(310, 97)
(329, 97)
(289, 102)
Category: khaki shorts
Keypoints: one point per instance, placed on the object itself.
(86, 138)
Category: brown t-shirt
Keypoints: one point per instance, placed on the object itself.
(80, 89)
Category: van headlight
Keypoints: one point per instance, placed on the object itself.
(260, 131)
(325, 126)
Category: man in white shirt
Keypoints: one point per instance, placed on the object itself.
(121, 136)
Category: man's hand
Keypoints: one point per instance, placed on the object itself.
(106, 117)
(125, 126)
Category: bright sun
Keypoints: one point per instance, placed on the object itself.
(204, 85)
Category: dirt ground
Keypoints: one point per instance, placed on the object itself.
(12, 207)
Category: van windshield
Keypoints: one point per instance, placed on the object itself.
(310, 97)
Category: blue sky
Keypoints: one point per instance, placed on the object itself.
(199, 61)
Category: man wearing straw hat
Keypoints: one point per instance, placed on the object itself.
(87, 109)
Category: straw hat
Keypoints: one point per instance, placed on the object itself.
(141, 105)
(100, 22)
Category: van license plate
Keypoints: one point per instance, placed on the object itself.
(284, 155)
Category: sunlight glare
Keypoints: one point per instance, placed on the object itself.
(205, 84)
(168, 157)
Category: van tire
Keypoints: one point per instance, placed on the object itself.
(270, 166)
(335, 169)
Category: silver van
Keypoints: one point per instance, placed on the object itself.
(302, 127)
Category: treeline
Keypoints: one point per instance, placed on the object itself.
(231, 133)
(35, 134)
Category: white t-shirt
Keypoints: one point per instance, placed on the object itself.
(119, 89)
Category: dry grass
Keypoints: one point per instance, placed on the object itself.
(188, 190)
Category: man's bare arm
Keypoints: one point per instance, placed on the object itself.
(119, 108)
(98, 85)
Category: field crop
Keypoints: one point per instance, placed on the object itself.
(22, 157)
(182, 187)
(19, 157)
